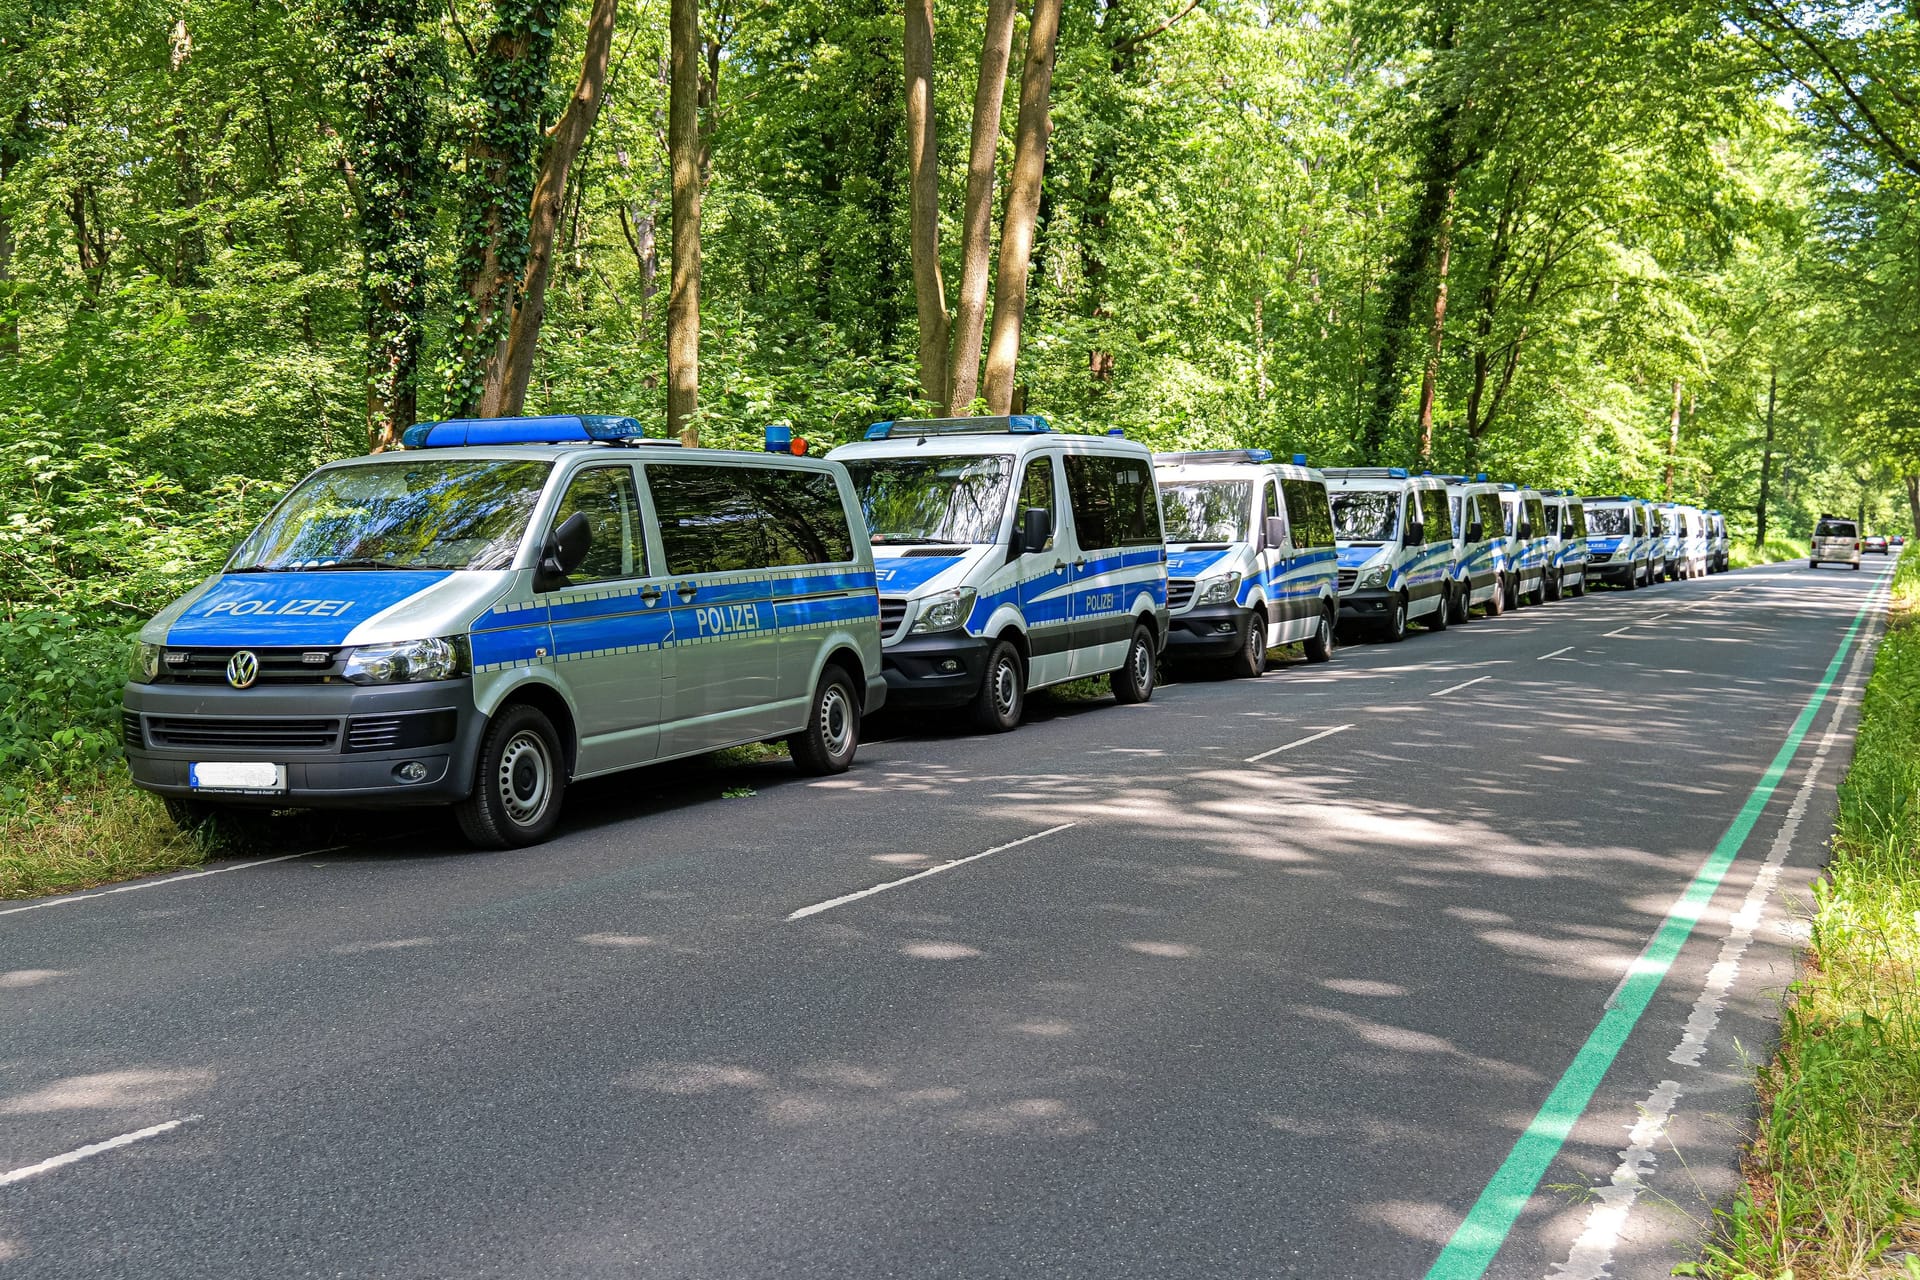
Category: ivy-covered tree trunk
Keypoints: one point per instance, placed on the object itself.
(496, 190)
(923, 180)
(1404, 278)
(391, 51)
(1436, 335)
(1023, 204)
(1766, 460)
(976, 226)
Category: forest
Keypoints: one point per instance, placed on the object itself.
(1655, 245)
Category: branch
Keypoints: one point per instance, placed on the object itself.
(465, 39)
(1905, 158)
(1131, 43)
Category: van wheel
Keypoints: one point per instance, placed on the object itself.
(832, 734)
(1538, 596)
(1437, 620)
(518, 782)
(1134, 682)
(1319, 646)
(1497, 602)
(1251, 661)
(1553, 588)
(1002, 698)
(1394, 629)
(1813, 564)
(1462, 603)
(1577, 591)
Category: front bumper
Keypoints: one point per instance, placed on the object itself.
(341, 744)
(942, 670)
(1367, 606)
(1208, 631)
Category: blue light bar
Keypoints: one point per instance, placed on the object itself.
(1299, 459)
(1211, 455)
(1117, 431)
(582, 428)
(779, 437)
(1001, 424)
(1480, 477)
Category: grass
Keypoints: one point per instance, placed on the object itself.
(86, 831)
(1745, 555)
(1833, 1171)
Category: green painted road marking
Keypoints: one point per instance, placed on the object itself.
(1487, 1224)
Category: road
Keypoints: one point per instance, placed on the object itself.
(1264, 979)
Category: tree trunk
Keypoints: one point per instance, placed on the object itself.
(976, 228)
(684, 146)
(1913, 501)
(564, 140)
(1023, 204)
(1260, 348)
(1766, 460)
(923, 170)
(1673, 438)
(1437, 332)
(510, 79)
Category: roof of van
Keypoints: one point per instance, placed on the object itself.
(667, 451)
(1009, 444)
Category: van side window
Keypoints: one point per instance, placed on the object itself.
(1506, 512)
(1553, 519)
(1537, 518)
(806, 522)
(608, 499)
(1489, 514)
(1437, 518)
(735, 519)
(1036, 490)
(1272, 508)
(1576, 521)
(1308, 514)
(1115, 501)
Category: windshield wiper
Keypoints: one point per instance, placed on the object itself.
(349, 564)
(879, 539)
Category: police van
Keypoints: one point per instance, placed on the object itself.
(1250, 557)
(503, 607)
(1010, 557)
(1617, 542)
(1394, 535)
(1566, 543)
(1480, 547)
(1719, 544)
(1689, 536)
(1529, 549)
(1665, 556)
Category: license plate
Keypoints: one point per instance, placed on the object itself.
(231, 776)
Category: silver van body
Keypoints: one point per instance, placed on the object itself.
(1529, 549)
(712, 591)
(1836, 540)
(1479, 563)
(1394, 533)
(1618, 546)
(1719, 543)
(1566, 542)
(1690, 540)
(973, 612)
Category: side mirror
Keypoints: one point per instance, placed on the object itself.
(1276, 531)
(565, 551)
(1036, 526)
(1476, 532)
(1416, 535)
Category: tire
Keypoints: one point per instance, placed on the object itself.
(1394, 629)
(1320, 645)
(1251, 662)
(1437, 620)
(832, 736)
(1539, 594)
(1813, 564)
(1855, 566)
(1497, 604)
(1462, 603)
(1133, 682)
(1581, 590)
(1002, 698)
(1553, 589)
(519, 782)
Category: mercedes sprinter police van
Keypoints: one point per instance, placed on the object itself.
(1010, 557)
(504, 606)
(1529, 550)
(1250, 557)
(1479, 546)
(1665, 557)
(1689, 540)
(1394, 533)
(1617, 545)
(1566, 543)
(1719, 544)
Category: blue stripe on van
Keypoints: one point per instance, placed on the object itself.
(297, 607)
(511, 646)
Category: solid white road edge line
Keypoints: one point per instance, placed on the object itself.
(1591, 1257)
(156, 884)
(1312, 737)
(1458, 687)
(845, 898)
(91, 1149)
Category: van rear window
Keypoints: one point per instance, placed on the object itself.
(1835, 529)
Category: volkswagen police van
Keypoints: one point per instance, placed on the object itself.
(1566, 543)
(1250, 557)
(1480, 547)
(1719, 544)
(502, 607)
(1394, 535)
(1617, 543)
(1529, 549)
(1010, 557)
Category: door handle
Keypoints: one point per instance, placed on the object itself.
(651, 594)
(1059, 565)
(686, 591)
(1079, 562)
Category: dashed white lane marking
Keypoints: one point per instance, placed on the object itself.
(1556, 653)
(1301, 742)
(868, 892)
(1455, 688)
(159, 884)
(1591, 1257)
(91, 1149)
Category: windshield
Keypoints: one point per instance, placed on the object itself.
(955, 500)
(410, 513)
(1365, 515)
(1206, 510)
(1607, 521)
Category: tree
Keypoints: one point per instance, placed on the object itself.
(687, 149)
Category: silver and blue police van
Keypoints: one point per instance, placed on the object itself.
(505, 606)
(1394, 535)
(1010, 557)
(1719, 544)
(1480, 547)
(1618, 546)
(1688, 527)
(1665, 556)
(1529, 551)
(1566, 543)
(1250, 557)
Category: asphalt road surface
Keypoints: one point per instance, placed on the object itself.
(1362, 970)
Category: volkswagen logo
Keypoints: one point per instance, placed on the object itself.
(243, 668)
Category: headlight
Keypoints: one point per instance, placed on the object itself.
(1221, 590)
(143, 666)
(1374, 578)
(408, 661)
(945, 611)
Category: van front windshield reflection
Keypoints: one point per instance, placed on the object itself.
(409, 513)
(955, 501)
(1608, 521)
(1206, 510)
(1365, 515)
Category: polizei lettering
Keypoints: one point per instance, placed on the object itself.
(725, 619)
(281, 608)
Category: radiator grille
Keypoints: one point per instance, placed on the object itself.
(1179, 592)
(1347, 578)
(277, 666)
(130, 732)
(250, 733)
(893, 611)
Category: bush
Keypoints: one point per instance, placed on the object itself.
(60, 682)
